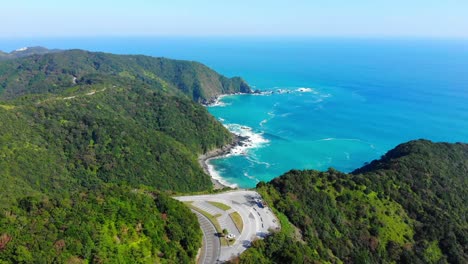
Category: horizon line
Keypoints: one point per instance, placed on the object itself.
(376, 37)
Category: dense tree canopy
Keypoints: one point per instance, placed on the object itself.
(408, 207)
(89, 142)
(51, 72)
(112, 224)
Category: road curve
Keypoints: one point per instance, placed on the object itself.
(258, 219)
(211, 242)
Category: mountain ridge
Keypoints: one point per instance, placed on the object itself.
(51, 72)
(26, 51)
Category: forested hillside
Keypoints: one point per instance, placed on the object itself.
(89, 143)
(105, 224)
(50, 73)
(408, 207)
(24, 52)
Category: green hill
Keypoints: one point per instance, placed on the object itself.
(408, 207)
(24, 52)
(50, 73)
(91, 143)
(83, 161)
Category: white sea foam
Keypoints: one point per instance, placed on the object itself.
(282, 91)
(306, 90)
(264, 121)
(344, 139)
(263, 93)
(256, 161)
(218, 102)
(254, 140)
(251, 177)
(215, 175)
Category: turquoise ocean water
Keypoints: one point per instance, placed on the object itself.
(327, 102)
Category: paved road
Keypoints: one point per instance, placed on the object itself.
(257, 219)
(211, 243)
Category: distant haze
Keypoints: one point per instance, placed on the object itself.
(359, 18)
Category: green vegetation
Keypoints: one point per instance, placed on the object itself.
(91, 144)
(237, 219)
(51, 73)
(25, 52)
(408, 207)
(85, 163)
(111, 224)
(221, 206)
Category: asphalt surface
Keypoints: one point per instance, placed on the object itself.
(257, 219)
(211, 244)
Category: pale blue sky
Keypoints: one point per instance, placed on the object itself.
(355, 18)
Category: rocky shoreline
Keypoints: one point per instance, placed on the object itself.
(223, 151)
(216, 153)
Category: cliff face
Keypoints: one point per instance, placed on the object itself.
(57, 71)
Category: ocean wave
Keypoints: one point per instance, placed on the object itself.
(306, 90)
(283, 91)
(349, 139)
(256, 161)
(342, 139)
(218, 102)
(215, 175)
(251, 177)
(252, 140)
(264, 121)
(291, 90)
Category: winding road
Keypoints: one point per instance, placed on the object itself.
(211, 243)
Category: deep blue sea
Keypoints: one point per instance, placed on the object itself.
(327, 102)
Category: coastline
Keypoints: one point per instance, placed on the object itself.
(204, 160)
